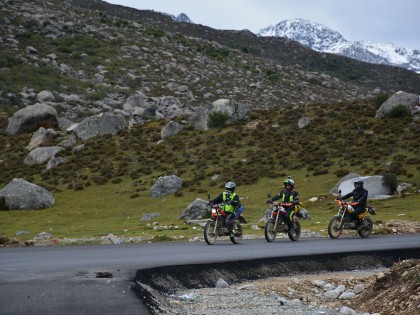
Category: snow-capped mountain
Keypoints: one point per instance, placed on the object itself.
(323, 39)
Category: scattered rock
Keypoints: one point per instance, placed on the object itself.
(20, 194)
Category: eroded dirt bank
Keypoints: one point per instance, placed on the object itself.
(155, 286)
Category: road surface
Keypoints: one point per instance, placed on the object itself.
(62, 279)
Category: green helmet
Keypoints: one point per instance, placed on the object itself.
(290, 182)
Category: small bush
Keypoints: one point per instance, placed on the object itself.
(217, 119)
(390, 179)
(320, 172)
(3, 203)
(341, 172)
(380, 99)
(4, 240)
(399, 111)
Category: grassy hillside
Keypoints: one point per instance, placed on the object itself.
(106, 187)
(90, 54)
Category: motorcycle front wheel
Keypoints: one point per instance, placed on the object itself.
(237, 236)
(209, 232)
(367, 230)
(334, 227)
(296, 233)
(270, 233)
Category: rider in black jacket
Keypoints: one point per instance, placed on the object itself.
(359, 201)
(288, 195)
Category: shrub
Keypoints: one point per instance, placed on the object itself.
(4, 240)
(151, 31)
(320, 172)
(380, 99)
(390, 179)
(3, 203)
(399, 111)
(341, 172)
(217, 119)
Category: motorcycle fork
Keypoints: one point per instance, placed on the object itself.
(215, 225)
(342, 218)
(276, 222)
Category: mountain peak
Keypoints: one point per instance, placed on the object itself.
(313, 35)
(324, 39)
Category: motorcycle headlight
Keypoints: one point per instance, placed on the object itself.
(213, 211)
(274, 208)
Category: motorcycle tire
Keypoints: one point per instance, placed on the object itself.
(270, 233)
(367, 230)
(296, 233)
(334, 228)
(237, 236)
(209, 235)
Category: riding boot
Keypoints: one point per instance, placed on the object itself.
(360, 224)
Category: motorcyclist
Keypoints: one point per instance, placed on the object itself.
(288, 195)
(360, 195)
(230, 202)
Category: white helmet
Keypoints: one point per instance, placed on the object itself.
(230, 187)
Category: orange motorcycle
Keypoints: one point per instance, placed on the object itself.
(343, 221)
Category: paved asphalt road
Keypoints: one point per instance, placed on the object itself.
(62, 279)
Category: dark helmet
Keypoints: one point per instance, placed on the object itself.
(230, 187)
(358, 183)
(290, 182)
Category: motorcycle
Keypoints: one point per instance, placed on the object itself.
(276, 223)
(343, 221)
(216, 226)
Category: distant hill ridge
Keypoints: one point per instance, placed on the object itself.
(281, 50)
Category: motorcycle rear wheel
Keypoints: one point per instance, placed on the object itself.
(334, 228)
(367, 230)
(237, 236)
(209, 235)
(296, 234)
(270, 233)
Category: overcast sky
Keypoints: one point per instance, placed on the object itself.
(387, 21)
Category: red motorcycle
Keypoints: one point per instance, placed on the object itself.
(276, 223)
(216, 226)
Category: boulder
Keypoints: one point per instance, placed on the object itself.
(166, 185)
(196, 210)
(20, 195)
(54, 162)
(171, 129)
(374, 184)
(41, 155)
(408, 100)
(41, 138)
(102, 124)
(45, 96)
(303, 122)
(31, 118)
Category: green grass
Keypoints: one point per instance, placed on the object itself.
(100, 210)
(106, 187)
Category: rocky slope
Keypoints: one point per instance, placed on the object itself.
(377, 291)
(92, 62)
